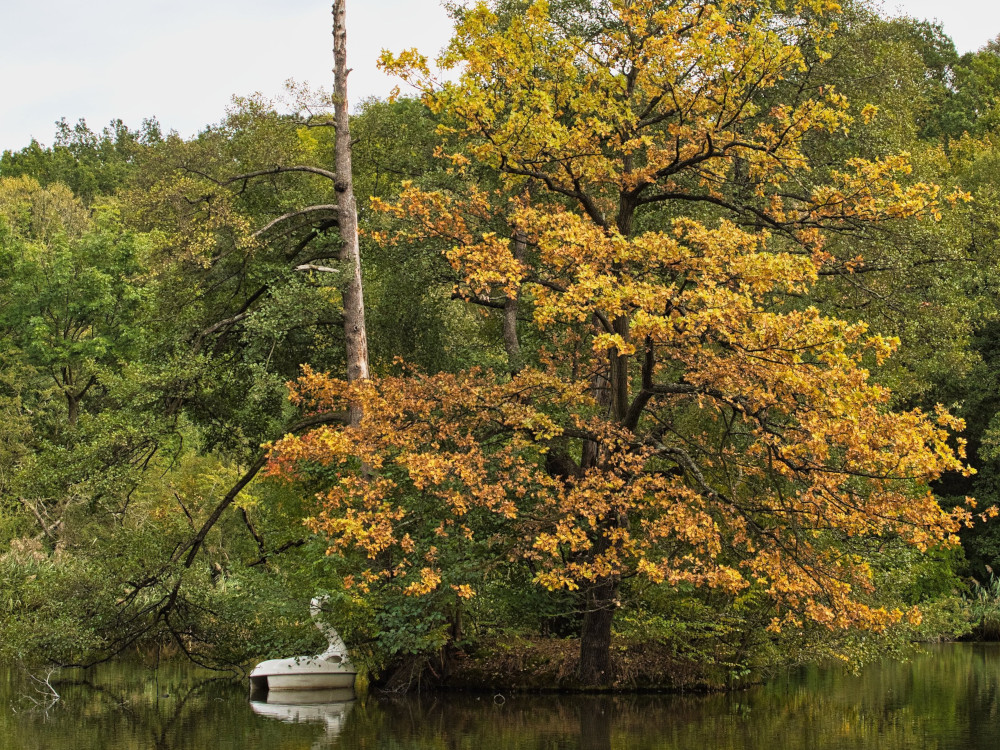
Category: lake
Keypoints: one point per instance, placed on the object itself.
(946, 699)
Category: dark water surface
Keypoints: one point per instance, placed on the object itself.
(946, 699)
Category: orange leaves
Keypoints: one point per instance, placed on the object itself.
(486, 263)
(689, 419)
(429, 580)
(428, 439)
(464, 591)
(463, 464)
(461, 222)
(723, 273)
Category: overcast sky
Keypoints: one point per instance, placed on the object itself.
(182, 60)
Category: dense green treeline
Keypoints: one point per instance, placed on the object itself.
(157, 294)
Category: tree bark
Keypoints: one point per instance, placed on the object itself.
(600, 389)
(355, 334)
(510, 308)
(595, 667)
(73, 409)
(73, 400)
(619, 374)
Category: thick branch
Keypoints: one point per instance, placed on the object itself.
(479, 299)
(684, 460)
(586, 202)
(247, 176)
(195, 545)
(317, 269)
(223, 324)
(265, 556)
(635, 409)
(293, 214)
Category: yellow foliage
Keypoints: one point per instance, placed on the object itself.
(685, 422)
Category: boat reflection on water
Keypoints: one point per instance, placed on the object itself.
(327, 707)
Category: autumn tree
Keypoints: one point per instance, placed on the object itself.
(609, 274)
(683, 418)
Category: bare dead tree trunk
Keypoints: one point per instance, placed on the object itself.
(355, 335)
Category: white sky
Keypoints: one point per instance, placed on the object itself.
(182, 60)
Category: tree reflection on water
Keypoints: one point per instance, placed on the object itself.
(945, 699)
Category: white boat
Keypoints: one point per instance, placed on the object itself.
(330, 670)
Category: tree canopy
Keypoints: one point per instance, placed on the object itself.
(683, 417)
(682, 328)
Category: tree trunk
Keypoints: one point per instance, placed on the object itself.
(595, 637)
(600, 389)
(355, 335)
(619, 374)
(73, 407)
(594, 668)
(510, 308)
(73, 400)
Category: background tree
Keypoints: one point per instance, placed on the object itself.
(90, 164)
(239, 282)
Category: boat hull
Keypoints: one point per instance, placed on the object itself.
(311, 681)
(302, 673)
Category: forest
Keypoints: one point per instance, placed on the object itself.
(671, 358)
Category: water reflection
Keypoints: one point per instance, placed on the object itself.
(947, 699)
(130, 707)
(327, 707)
